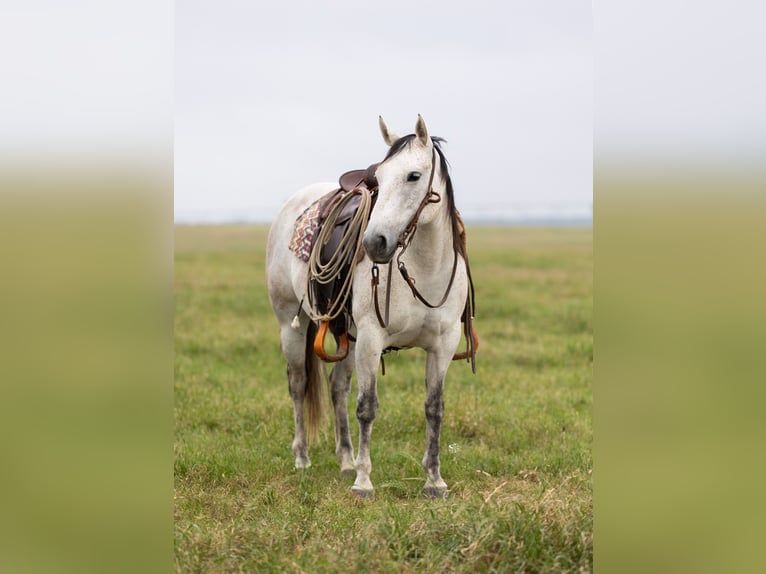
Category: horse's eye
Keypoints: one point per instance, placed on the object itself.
(413, 176)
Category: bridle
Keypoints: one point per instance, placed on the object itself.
(403, 242)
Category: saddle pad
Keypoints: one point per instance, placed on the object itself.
(306, 226)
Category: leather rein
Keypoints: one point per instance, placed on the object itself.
(402, 244)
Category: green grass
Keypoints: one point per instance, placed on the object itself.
(516, 438)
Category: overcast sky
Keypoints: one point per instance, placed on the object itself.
(272, 97)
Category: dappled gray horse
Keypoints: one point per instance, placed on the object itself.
(420, 303)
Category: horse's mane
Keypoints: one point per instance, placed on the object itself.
(456, 224)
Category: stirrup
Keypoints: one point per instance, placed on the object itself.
(341, 351)
(467, 354)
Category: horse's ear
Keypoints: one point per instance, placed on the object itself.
(421, 131)
(388, 136)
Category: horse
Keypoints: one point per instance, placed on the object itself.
(414, 211)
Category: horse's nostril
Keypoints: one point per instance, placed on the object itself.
(377, 247)
(375, 243)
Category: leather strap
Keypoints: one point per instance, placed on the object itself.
(375, 281)
(403, 243)
(472, 339)
(411, 282)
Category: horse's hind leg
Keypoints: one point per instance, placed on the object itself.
(340, 379)
(293, 347)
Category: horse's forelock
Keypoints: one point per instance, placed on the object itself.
(406, 141)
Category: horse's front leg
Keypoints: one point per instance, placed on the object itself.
(437, 364)
(368, 352)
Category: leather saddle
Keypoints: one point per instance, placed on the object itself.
(359, 178)
(325, 293)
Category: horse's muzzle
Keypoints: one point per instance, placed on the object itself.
(379, 248)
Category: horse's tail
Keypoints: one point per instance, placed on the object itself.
(314, 383)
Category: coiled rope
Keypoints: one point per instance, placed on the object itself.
(347, 253)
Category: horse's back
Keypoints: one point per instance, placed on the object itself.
(285, 272)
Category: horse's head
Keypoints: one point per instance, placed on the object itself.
(405, 179)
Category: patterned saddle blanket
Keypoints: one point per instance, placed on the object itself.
(306, 227)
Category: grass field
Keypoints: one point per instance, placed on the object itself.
(516, 437)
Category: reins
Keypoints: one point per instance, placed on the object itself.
(472, 339)
(402, 244)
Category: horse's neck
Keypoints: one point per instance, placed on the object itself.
(432, 245)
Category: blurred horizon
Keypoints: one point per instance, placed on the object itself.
(511, 213)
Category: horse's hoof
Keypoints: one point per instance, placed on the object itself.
(362, 492)
(302, 463)
(347, 472)
(436, 491)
